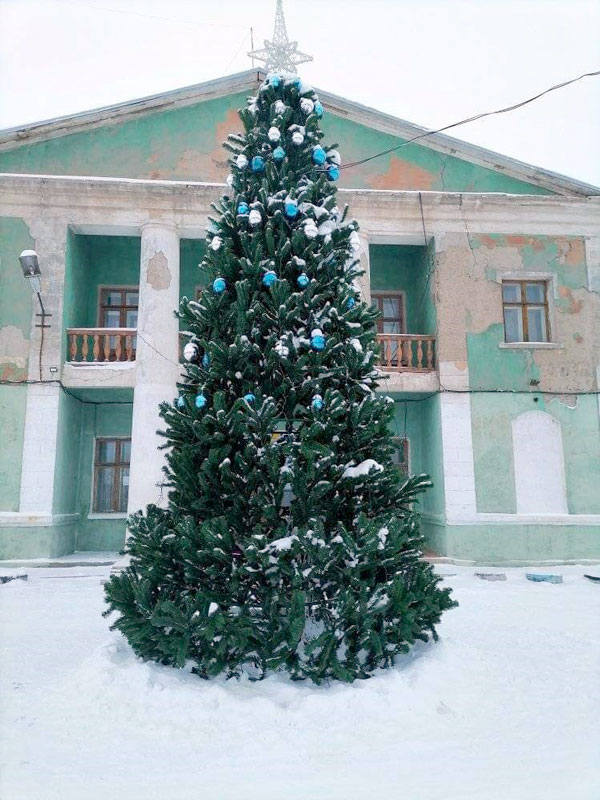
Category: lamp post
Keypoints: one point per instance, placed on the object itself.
(31, 270)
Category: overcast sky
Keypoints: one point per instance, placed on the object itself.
(428, 61)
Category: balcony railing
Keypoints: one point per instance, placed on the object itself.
(101, 345)
(406, 352)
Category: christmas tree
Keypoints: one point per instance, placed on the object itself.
(290, 540)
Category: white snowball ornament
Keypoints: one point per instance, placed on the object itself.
(307, 105)
(334, 157)
(241, 161)
(229, 180)
(274, 134)
(280, 107)
(355, 241)
(254, 218)
(190, 351)
(297, 138)
(216, 243)
(310, 229)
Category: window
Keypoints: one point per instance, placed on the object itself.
(391, 307)
(111, 475)
(525, 308)
(400, 456)
(391, 320)
(119, 307)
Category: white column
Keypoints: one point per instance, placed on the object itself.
(157, 358)
(41, 414)
(365, 280)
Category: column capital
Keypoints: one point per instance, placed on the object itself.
(164, 224)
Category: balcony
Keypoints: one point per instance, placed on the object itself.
(407, 362)
(406, 352)
(101, 357)
(107, 345)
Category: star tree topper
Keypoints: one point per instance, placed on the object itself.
(280, 55)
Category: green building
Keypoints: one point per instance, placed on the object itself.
(486, 270)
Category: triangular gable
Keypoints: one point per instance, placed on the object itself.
(178, 135)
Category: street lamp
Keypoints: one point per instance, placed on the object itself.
(30, 265)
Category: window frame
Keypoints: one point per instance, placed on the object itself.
(118, 465)
(525, 305)
(406, 452)
(381, 295)
(104, 289)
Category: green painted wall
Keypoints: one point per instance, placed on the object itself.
(492, 415)
(179, 143)
(417, 417)
(407, 269)
(108, 419)
(18, 542)
(185, 144)
(519, 545)
(191, 253)
(15, 324)
(67, 455)
(92, 262)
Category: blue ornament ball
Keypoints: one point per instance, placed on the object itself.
(318, 341)
(219, 285)
(206, 360)
(258, 164)
(275, 81)
(317, 402)
(291, 209)
(269, 278)
(318, 108)
(243, 208)
(201, 401)
(249, 398)
(180, 402)
(303, 280)
(279, 154)
(333, 173)
(351, 302)
(319, 156)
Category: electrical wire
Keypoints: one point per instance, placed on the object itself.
(351, 164)
(442, 390)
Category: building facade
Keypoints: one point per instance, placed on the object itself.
(486, 271)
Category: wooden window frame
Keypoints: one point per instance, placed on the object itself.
(118, 465)
(381, 295)
(103, 290)
(525, 305)
(406, 451)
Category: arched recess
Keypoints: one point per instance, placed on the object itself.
(539, 464)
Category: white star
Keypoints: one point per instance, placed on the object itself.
(280, 55)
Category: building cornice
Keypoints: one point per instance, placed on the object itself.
(124, 204)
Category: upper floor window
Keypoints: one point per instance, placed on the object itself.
(525, 307)
(391, 308)
(111, 475)
(118, 307)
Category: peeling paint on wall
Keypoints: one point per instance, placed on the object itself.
(159, 275)
(185, 143)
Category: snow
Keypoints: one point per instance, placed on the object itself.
(503, 707)
(362, 469)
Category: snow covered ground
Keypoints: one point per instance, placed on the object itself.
(505, 706)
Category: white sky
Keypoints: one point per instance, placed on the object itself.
(428, 61)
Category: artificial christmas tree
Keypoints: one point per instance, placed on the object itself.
(290, 541)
